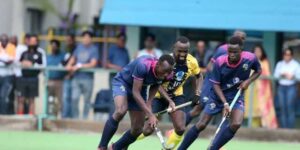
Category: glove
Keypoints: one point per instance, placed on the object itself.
(195, 100)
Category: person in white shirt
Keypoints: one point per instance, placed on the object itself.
(150, 49)
(287, 71)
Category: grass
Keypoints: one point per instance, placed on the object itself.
(20, 140)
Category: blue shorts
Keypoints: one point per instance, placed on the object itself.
(120, 89)
(205, 92)
(160, 104)
(216, 106)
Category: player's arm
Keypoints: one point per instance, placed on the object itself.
(257, 72)
(220, 93)
(166, 97)
(198, 82)
(152, 91)
(136, 91)
(216, 79)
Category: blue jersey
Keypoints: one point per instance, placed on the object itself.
(141, 68)
(207, 85)
(230, 76)
(221, 50)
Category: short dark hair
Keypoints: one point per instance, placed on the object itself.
(151, 36)
(34, 36)
(89, 33)
(182, 39)
(121, 34)
(236, 40)
(167, 58)
(55, 42)
(27, 36)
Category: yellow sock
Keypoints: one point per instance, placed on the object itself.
(140, 137)
(174, 140)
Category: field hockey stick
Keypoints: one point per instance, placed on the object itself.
(237, 95)
(161, 139)
(170, 109)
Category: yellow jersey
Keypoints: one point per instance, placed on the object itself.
(181, 73)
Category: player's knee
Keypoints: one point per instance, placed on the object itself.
(180, 130)
(120, 113)
(201, 125)
(235, 126)
(136, 131)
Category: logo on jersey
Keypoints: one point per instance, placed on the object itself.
(212, 106)
(245, 67)
(179, 75)
(205, 99)
(122, 88)
(236, 80)
(35, 56)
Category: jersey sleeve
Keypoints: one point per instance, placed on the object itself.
(140, 71)
(216, 74)
(219, 52)
(256, 65)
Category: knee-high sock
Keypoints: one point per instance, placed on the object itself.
(189, 119)
(189, 138)
(225, 134)
(174, 139)
(124, 141)
(109, 130)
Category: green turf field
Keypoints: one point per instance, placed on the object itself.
(11, 140)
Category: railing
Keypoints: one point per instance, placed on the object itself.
(45, 71)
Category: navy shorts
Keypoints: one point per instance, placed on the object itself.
(205, 92)
(216, 106)
(160, 104)
(120, 89)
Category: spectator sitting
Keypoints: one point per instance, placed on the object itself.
(85, 55)
(150, 49)
(27, 85)
(67, 93)
(287, 70)
(55, 77)
(118, 55)
(7, 55)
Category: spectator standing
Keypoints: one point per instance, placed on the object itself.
(7, 54)
(263, 111)
(27, 85)
(85, 55)
(203, 55)
(55, 77)
(67, 90)
(286, 71)
(150, 47)
(118, 55)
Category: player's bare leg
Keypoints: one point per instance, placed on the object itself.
(178, 119)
